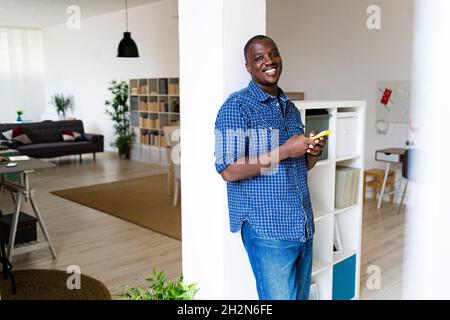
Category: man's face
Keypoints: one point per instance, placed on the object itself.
(264, 62)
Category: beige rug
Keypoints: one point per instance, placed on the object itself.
(143, 201)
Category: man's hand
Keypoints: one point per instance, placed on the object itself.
(295, 146)
(316, 147)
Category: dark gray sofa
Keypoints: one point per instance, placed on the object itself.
(48, 142)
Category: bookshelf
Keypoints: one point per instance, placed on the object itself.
(154, 103)
(337, 274)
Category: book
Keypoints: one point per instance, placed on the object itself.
(347, 186)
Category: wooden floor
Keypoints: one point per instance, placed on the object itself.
(117, 252)
(382, 246)
(114, 251)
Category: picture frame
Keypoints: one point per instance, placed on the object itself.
(295, 95)
(337, 243)
(313, 292)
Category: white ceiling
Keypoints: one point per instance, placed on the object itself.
(43, 13)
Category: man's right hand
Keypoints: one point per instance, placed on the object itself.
(295, 146)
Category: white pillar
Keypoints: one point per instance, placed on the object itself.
(427, 252)
(212, 36)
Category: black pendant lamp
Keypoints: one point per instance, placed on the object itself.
(127, 47)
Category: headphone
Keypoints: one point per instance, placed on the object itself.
(382, 126)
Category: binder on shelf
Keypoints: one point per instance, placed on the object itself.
(347, 186)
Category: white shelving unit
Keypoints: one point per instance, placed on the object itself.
(154, 103)
(337, 274)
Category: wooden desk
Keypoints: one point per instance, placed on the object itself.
(389, 155)
(24, 192)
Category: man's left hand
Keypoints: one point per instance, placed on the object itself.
(316, 148)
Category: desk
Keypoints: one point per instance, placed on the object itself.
(24, 192)
(390, 155)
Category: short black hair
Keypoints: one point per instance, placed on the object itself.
(252, 41)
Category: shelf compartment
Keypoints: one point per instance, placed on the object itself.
(143, 86)
(163, 86)
(321, 186)
(174, 86)
(323, 277)
(341, 256)
(153, 87)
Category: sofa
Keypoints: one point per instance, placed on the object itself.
(47, 140)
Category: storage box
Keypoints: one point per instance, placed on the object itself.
(346, 134)
(344, 275)
(26, 228)
(318, 120)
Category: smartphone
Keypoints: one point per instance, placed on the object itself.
(321, 134)
(12, 164)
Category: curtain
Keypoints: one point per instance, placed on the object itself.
(21, 74)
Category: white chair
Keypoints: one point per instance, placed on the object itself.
(177, 182)
(174, 174)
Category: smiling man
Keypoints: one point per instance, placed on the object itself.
(264, 156)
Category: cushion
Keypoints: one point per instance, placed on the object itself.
(17, 135)
(70, 136)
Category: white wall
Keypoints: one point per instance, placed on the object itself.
(329, 53)
(21, 74)
(83, 62)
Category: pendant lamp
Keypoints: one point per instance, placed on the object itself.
(127, 47)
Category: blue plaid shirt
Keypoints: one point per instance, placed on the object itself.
(277, 204)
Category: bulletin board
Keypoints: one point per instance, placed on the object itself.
(393, 100)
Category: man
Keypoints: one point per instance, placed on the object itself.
(268, 196)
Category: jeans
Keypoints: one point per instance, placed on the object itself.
(282, 268)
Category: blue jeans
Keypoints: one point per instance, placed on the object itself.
(282, 268)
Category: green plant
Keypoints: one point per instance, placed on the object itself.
(161, 289)
(409, 143)
(118, 109)
(62, 103)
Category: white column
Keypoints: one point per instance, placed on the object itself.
(427, 252)
(212, 36)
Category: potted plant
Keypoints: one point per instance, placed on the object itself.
(119, 111)
(161, 289)
(62, 104)
(19, 115)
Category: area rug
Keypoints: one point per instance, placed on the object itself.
(143, 201)
(52, 285)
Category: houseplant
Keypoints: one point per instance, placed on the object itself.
(62, 104)
(161, 289)
(19, 115)
(119, 111)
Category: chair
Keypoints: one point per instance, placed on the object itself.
(174, 175)
(168, 130)
(376, 182)
(407, 173)
(6, 265)
(177, 182)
